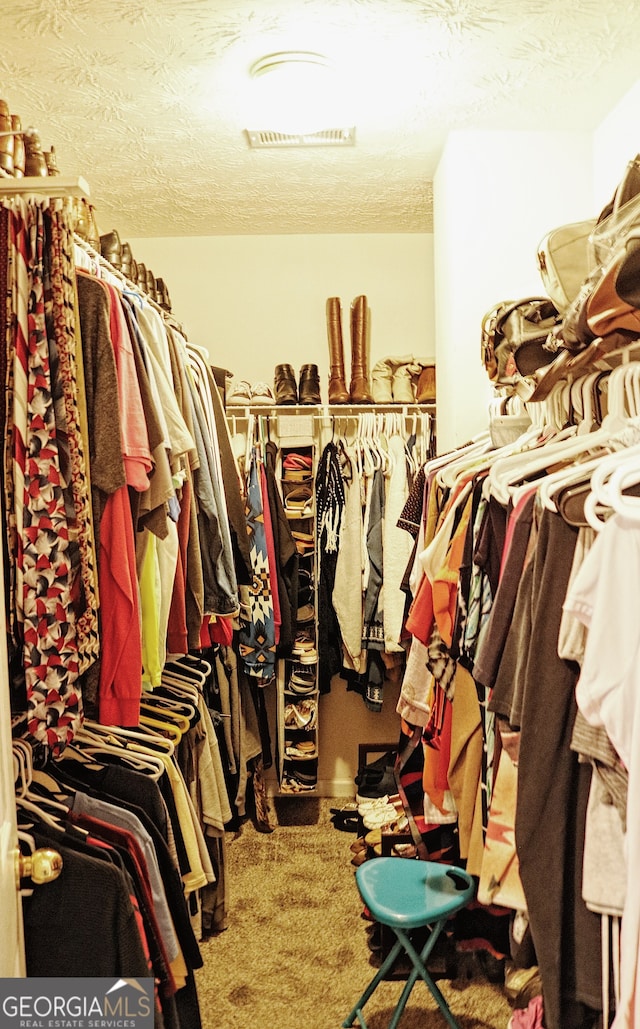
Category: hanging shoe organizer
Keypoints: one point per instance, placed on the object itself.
(297, 675)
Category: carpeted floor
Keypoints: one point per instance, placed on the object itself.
(295, 954)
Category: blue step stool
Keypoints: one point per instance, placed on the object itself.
(406, 894)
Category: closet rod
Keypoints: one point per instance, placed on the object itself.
(320, 411)
(45, 185)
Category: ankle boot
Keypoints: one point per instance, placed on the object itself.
(142, 276)
(151, 286)
(162, 294)
(381, 378)
(111, 248)
(426, 388)
(51, 161)
(34, 159)
(127, 261)
(309, 384)
(82, 223)
(402, 384)
(285, 389)
(338, 393)
(359, 376)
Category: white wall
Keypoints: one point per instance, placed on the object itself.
(495, 195)
(258, 301)
(616, 141)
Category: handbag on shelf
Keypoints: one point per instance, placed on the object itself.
(563, 261)
(607, 311)
(513, 334)
(597, 309)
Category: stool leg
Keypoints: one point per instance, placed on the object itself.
(377, 979)
(419, 962)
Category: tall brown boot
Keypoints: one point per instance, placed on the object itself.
(360, 392)
(338, 393)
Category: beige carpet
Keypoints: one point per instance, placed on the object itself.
(295, 954)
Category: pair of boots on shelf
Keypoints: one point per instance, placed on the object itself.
(359, 391)
(403, 380)
(21, 152)
(287, 391)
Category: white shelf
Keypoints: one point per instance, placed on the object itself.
(322, 410)
(45, 185)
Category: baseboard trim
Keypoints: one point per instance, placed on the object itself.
(324, 788)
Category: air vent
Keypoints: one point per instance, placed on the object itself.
(260, 138)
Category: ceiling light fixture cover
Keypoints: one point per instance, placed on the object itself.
(285, 58)
(298, 101)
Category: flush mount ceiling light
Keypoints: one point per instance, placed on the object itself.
(298, 101)
(286, 59)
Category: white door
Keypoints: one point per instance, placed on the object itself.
(12, 963)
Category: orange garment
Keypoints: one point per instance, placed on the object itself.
(445, 585)
(436, 595)
(419, 620)
(435, 781)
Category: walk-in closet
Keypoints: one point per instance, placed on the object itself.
(321, 465)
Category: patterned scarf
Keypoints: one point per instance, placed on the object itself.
(257, 639)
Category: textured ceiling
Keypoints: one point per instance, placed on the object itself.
(149, 100)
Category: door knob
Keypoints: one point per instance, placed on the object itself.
(42, 866)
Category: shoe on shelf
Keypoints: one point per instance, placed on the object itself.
(305, 587)
(298, 503)
(303, 749)
(306, 777)
(111, 248)
(309, 389)
(301, 715)
(304, 541)
(262, 394)
(240, 394)
(305, 614)
(292, 784)
(304, 649)
(284, 384)
(302, 680)
(294, 462)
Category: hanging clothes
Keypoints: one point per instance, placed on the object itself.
(257, 640)
(39, 533)
(330, 501)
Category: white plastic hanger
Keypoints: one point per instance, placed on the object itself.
(139, 759)
(140, 738)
